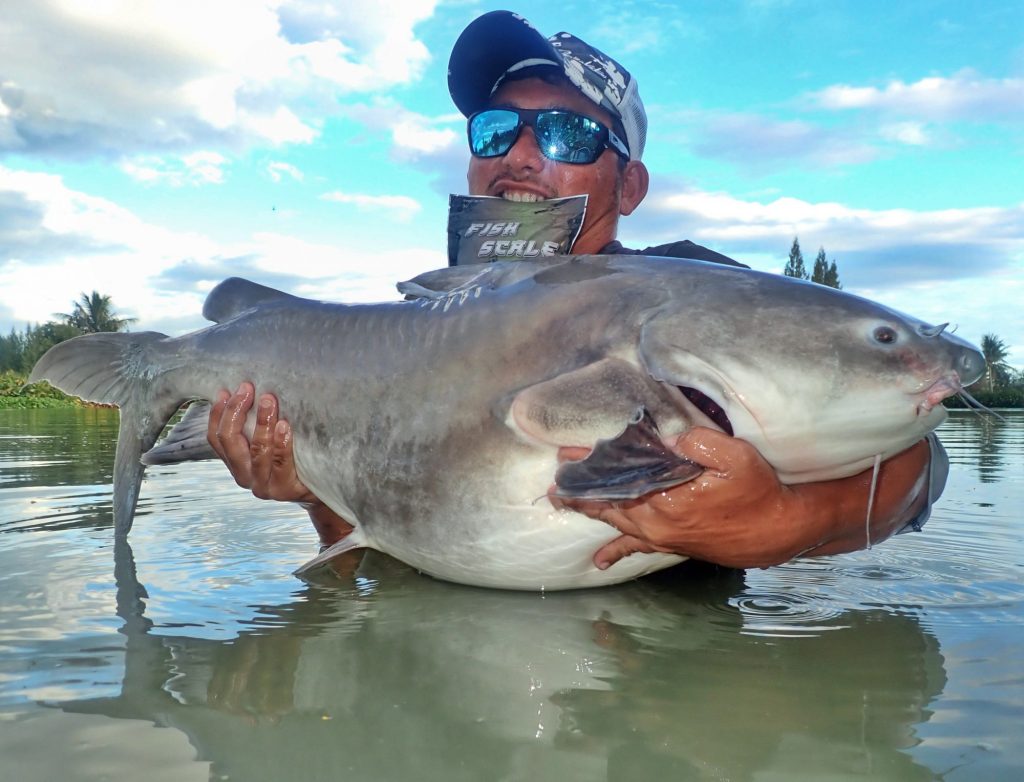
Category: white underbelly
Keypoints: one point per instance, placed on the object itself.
(529, 548)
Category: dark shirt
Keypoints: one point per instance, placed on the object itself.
(683, 249)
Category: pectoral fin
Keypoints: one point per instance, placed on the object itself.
(593, 403)
(350, 542)
(186, 442)
(625, 467)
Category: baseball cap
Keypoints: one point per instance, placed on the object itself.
(501, 42)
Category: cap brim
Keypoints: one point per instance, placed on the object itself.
(486, 50)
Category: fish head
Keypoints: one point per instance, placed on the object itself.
(818, 380)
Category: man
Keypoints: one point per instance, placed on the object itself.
(555, 117)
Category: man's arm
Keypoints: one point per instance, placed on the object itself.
(738, 514)
(265, 463)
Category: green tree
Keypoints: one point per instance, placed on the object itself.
(832, 276)
(41, 338)
(820, 267)
(997, 372)
(795, 265)
(95, 312)
(825, 273)
(12, 348)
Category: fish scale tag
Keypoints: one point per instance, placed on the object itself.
(482, 229)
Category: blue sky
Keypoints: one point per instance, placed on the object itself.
(150, 149)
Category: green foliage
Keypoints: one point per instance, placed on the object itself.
(39, 339)
(14, 393)
(12, 348)
(998, 374)
(825, 273)
(795, 265)
(94, 312)
(820, 267)
(1009, 396)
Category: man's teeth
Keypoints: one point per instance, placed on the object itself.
(513, 195)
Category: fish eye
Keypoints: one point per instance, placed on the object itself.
(885, 335)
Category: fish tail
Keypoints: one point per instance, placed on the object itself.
(120, 369)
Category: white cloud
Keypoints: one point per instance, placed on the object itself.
(910, 133)
(965, 96)
(197, 168)
(278, 170)
(722, 217)
(758, 142)
(436, 145)
(403, 207)
(416, 136)
(148, 76)
(413, 135)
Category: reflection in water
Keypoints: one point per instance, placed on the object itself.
(821, 669)
(622, 683)
(73, 447)
(984, 440)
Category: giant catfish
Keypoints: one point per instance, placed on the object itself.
(433, 424)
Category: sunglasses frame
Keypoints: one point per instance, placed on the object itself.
(528, 117)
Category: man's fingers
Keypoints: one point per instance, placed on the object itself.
(622, 546)
(213, 424)
(261, 446)
(231, 434)
(572, 453)
(282, 446)
(713, 449)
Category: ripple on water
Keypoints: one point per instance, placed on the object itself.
(786, 613)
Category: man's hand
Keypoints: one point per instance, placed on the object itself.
(265, 464)
(738, 514)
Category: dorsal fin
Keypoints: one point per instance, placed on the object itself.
(441, 283)
(235, 295)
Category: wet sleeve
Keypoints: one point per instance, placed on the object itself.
(938, 471)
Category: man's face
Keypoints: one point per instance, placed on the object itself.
(523, 173)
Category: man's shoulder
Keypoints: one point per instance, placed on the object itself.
(682, 249)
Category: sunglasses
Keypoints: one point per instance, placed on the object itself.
(562, 136)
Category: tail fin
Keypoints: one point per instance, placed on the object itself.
(119, 369)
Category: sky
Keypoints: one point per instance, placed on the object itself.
(150, 149)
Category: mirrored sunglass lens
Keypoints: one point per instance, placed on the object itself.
(491, 133)
(571, 138)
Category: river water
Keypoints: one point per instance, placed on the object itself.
(194, 654)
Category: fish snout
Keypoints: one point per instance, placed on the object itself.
(969, 365)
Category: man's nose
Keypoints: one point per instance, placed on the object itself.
(524, 153)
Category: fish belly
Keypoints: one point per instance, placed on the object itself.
(499, 529)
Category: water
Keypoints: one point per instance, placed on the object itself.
(199, 657)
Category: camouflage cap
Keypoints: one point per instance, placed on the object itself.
(501, 42)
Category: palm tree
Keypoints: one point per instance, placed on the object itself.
(996, 369)
(94, 312)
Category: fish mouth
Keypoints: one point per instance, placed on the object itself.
(943, 388)
(709, 407)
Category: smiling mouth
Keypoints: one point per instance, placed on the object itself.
(520, 196)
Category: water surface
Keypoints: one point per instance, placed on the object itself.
(193, 654)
